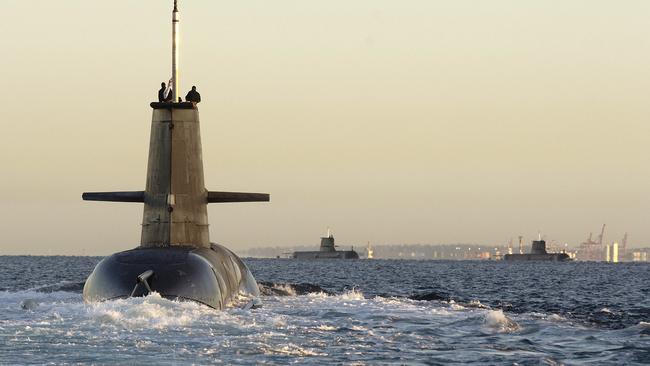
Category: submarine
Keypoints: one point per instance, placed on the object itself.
(175, 257)
(538, 253)
(327, 251)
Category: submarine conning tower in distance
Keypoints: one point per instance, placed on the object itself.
(538, 247)
(327, 243)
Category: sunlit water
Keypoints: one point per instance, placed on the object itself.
(339, 312)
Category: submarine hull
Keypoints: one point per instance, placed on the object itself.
(552, 257)
(339, 254)
(212, 276)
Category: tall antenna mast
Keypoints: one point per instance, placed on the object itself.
(175, 43)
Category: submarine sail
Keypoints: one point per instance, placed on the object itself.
(175, 257)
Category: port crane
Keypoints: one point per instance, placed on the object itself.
(591, 250)
(600, 237)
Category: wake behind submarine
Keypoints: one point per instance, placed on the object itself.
(175, 257)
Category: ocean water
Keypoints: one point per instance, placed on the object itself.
(360, 312)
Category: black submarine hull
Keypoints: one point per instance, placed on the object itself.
(212, 276)
(548, 257)
(339, 254)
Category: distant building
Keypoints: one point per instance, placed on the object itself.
(639, 256)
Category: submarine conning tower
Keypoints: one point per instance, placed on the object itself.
(327, 243)
(538, 247)
(175, 198)
(175, 257)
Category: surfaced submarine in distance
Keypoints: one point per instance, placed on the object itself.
(327, 250)
(175, 257)
(538, 253)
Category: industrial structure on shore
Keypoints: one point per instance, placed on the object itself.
(591, 250)
(599, 251)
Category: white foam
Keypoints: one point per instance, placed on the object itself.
(277, 321)
(392, 300)
(497, 320)
(318, 295)
(292, 350)
(326, 327)
(454, 306)
(290, 291)
(150, 312)
(478, 304)
(353, 294)
(550, 317)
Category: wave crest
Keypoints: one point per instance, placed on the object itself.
(497, 320)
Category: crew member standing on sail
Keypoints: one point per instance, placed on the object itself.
(165, 93)
(193, 96)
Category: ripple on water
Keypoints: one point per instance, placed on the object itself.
(461, 317)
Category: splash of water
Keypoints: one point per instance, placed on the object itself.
(497, 320)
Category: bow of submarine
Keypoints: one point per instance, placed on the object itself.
(212, 276)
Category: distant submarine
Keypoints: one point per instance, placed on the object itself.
(538, 253)
(175, 257)
(327, 251)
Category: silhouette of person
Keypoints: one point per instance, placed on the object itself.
(193, 96)
(164, 95)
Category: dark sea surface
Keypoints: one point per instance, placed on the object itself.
(356, 312)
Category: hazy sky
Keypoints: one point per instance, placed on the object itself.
(390, 121)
